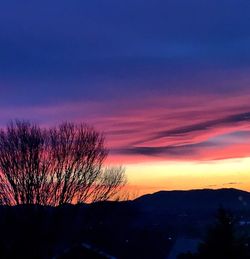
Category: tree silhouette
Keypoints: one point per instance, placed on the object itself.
(53, 166)
(222, 241)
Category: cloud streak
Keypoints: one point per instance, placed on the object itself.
(159, 128)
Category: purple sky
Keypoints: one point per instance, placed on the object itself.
(167, 78)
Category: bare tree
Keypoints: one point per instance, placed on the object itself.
(63, 164)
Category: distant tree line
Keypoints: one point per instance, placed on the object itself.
(56, 165)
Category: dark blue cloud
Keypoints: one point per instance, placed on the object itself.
(64, 50)
(185, 150)
(207, 125)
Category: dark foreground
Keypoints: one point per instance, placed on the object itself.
(151, 226)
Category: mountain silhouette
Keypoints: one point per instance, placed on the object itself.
(194, 200)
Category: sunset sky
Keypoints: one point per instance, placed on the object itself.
(167, 81)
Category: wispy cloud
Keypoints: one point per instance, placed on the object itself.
(178, 129)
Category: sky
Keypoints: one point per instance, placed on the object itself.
(167, 81)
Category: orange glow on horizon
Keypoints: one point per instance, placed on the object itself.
(152, 177)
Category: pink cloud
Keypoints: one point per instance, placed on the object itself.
(157, 128)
